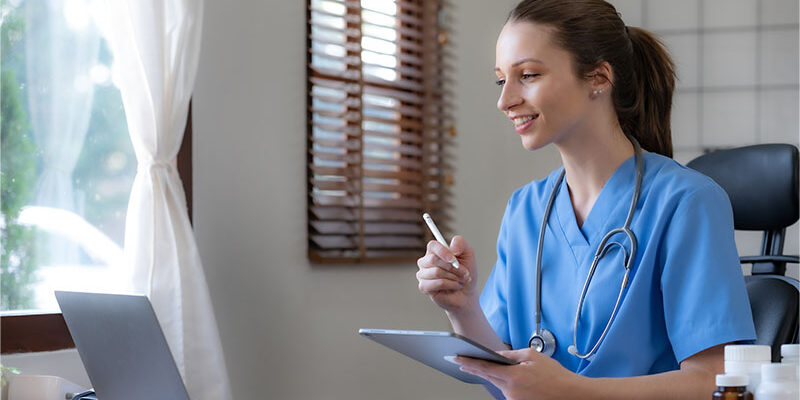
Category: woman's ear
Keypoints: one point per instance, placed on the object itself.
(602, 77)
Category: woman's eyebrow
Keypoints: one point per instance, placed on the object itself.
(522, 61)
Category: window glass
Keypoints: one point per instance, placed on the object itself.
(67, 160)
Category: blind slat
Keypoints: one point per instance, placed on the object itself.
(351, 74)
(349, 214)
(355, 33)
(353, 201)
(355, 187)
(370, 228)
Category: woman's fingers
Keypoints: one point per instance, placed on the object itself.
(496, 373)
(438, 285)
(430, 260)
(436, 273)
(521, 355)
(446, 255)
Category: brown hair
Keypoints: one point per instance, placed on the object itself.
(644, 74)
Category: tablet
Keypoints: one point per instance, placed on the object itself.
(436, 349)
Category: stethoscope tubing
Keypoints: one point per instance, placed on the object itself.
(602, 249)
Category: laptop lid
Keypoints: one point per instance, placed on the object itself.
(122, 346)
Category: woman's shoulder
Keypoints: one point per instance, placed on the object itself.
(669, 178)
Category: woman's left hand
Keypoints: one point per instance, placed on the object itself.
(537, 376)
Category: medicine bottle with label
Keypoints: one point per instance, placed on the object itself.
(732, 387)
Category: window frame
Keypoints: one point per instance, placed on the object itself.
(37, 332)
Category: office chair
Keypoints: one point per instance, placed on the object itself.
(762, 184)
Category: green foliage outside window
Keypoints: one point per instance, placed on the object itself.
(17, 181)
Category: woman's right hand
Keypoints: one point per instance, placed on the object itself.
(452, 289)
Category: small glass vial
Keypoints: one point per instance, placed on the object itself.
(732, 387)
(778, 382)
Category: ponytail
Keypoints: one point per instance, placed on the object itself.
(647, 117)
(644, 74)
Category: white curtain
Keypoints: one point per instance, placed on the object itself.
(61, 47)
(156, 46)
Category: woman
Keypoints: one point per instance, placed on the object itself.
(649, 325)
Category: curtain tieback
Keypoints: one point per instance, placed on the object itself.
(154, 164)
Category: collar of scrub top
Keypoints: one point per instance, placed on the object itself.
(542, 339)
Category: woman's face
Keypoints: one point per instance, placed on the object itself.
(540, 92)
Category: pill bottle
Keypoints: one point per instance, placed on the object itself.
(778, 382)
(746, 359)
(732, 387)
(790, 354)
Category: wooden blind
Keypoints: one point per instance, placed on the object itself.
(378, 128)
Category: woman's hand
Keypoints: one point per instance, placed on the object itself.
(452, 289)
(537, 376)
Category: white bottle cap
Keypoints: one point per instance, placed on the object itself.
(790, 350)
(748, 352)
(728, 380)
(777, 372)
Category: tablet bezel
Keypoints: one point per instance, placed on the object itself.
(431, 347)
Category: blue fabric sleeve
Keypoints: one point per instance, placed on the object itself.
(703, 291)
(494, 296)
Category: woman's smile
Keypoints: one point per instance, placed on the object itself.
(523, 122)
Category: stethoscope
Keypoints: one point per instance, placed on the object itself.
(543, 340)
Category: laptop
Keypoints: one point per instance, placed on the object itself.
(122, 346)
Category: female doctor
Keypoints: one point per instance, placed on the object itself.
(617, 276)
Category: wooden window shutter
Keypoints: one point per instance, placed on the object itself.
(378, 128)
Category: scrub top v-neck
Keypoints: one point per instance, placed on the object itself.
(686, 291)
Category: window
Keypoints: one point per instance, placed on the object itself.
(378, 128)
(67, 161)
(67, 166)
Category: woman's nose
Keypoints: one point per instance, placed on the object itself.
(509, 97)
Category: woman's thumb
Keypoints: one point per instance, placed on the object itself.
(457, 244)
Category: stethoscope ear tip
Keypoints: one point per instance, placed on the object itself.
(572, 350)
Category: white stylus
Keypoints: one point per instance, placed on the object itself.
(437, 234)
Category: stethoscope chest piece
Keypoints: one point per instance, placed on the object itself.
(544, 342)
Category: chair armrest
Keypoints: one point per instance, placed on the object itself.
(756, 259)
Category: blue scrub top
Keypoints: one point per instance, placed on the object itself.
(685, 293)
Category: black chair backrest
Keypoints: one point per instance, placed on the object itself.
(761, 181)
(762, 184)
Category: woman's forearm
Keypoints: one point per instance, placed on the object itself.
(686, 384)
(472, 323)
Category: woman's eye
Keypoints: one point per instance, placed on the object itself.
(500, 82)
(529, 76)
